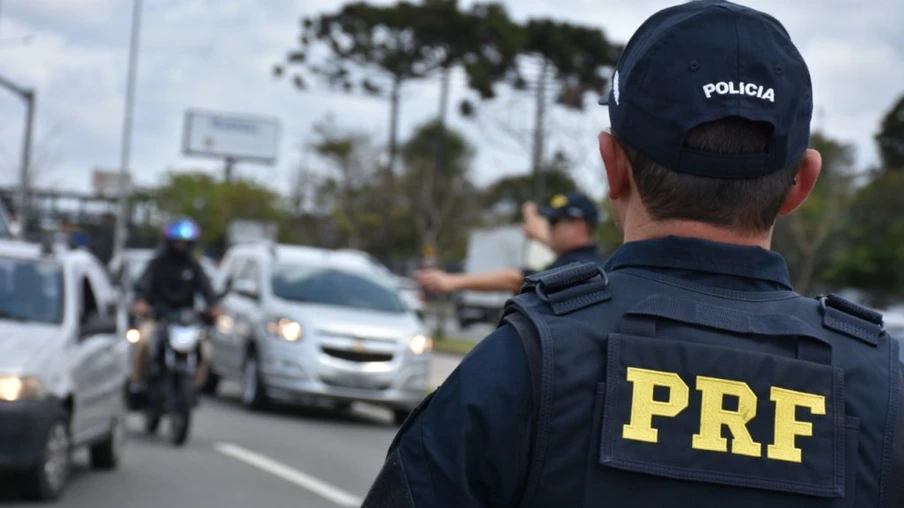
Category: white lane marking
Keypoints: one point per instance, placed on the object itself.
(315, 485)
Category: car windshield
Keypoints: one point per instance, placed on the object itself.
(31, 291)
(135, 267)
(331, 286)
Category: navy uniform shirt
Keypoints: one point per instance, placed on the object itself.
(469, 445)
(586, 254)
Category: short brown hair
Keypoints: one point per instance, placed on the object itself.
(748, 205)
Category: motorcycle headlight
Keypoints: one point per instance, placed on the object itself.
(285, 329)
(420, 344)
(133, 335)
(13, 388)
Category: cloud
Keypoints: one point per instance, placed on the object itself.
(218, 55)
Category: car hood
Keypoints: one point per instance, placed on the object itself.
(350, 322)
(24, 346)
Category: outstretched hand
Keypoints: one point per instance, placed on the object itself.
(436, 281)
(534, 226)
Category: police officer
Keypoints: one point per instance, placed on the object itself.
(568, 229)
(687, 373)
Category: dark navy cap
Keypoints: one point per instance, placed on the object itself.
(703, 61)
(573, 205)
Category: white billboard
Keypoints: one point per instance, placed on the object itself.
(231, 136)
(109, 183)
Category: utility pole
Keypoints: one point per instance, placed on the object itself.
(124, 172)
(27, 95)
(229, 169)
(539, 135)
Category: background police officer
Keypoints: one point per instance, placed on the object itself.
(566, 226)
(689, 373)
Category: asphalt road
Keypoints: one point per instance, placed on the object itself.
(286, 457)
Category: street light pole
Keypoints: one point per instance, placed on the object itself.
(29, 97)
(24, 173)
(122, 216)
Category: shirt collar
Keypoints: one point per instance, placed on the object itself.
(586, 249)
(703, 258)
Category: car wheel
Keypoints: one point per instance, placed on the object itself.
(48, 478)
(253, 389)
(108, 453)
(211, 384)
(400, 415)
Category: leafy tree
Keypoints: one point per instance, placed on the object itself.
(380, 41)
(891, 137)
(576, 59)
(507, 194)
(214, 204)
(874, 240)
(439, 203)
(809, 237)
(351, 156)
(483, 40)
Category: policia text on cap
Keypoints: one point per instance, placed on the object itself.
(687, 373)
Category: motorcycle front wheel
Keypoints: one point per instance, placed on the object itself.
(180, 414)
(152, 415)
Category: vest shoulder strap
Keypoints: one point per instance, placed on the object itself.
(530, 341)
(569, 288)
(851, 319)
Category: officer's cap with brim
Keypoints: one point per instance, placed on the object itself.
(703, 61)
(573, 205)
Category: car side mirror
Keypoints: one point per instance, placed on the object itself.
(98, 325)
(246, 288)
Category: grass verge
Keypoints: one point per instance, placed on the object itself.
(453, 345)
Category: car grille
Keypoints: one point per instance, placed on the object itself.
(355, 356)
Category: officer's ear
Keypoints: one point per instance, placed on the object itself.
(617, 166)
(810, 167)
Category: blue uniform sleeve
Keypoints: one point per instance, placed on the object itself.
(468, 445)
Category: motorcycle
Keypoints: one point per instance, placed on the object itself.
(171, 384)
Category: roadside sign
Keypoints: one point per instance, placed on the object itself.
(231, 136)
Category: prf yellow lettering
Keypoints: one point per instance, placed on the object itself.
(713, 416)
(644, 408)
(787, 427)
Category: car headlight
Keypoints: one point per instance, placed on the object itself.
(224, 324)
(13, 388)
(133, 335)
(285, 329)
(420, 344)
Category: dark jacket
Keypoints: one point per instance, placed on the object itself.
(172, 280)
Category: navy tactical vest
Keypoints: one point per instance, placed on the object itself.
(656, 392)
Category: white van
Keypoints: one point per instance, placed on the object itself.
(63, 365)
(496, 249)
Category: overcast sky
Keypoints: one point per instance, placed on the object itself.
(218, 55)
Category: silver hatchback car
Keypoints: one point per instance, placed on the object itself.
(306, 325)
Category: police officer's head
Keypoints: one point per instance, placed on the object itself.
(710, 113)
(572, 219)
(180, 237)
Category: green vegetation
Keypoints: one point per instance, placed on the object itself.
(393, 198)
(453, 345)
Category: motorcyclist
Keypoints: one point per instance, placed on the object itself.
(171, 280)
